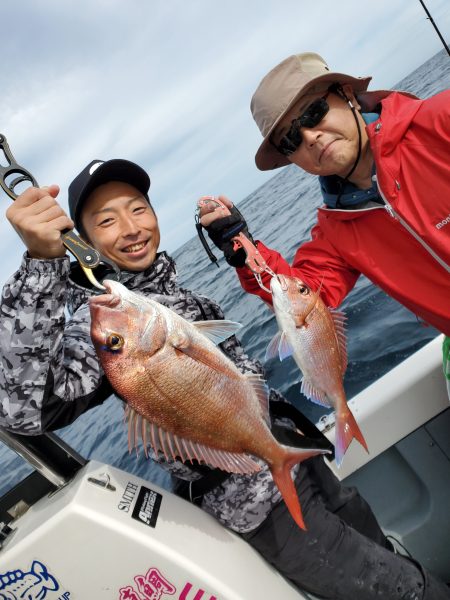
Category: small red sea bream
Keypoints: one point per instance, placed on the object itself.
(315, 337)
(186, 398)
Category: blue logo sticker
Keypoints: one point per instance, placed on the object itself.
(32, 585)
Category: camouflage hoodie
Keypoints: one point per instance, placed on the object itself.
(50, 373)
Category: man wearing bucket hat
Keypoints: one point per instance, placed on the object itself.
(383, 163)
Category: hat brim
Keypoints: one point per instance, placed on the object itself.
(114, 170)
(267, 157)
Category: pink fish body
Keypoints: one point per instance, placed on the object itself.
(186, 398)
(315, 337)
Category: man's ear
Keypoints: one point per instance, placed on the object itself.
(348, 91)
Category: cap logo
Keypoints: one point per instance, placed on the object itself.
(95, 166)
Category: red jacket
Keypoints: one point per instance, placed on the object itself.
(403, 247)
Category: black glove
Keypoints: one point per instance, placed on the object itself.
(221, 231)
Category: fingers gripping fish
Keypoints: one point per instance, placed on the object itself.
(186, 399)
(315, 337)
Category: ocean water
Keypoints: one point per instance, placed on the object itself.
(381, 333)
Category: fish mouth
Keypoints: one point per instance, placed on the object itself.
(108, 300)
(109, 285)
(279, 283)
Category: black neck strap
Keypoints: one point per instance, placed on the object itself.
(340, 92)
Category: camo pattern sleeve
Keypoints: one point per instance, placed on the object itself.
(46, 364)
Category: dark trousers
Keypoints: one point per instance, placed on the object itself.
(343, 555)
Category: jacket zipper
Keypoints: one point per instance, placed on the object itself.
(410, 230)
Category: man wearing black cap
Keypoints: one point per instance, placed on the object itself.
(109, 204)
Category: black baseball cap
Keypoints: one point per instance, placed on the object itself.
(98, 172)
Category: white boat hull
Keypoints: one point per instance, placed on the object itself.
(88, 542)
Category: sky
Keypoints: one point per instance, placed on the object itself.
(167, 84)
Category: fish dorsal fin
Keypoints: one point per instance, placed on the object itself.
(174, 447)
(339, 320)
(314, 394)
(218, 330)
(262, 391)
(279, 346)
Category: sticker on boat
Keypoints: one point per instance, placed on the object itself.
(147, 506)
(35, 584)
(128, 496)
(154, 586)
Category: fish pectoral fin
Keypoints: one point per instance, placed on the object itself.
(314, 394)
(279, 346)
(217, 331)
(174, 447)
(339, 319)
(272, 348)
(182, 342)
(209, 359)
(262, 391)
(284, 348)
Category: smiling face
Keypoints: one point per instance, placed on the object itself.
(120, 223)
(331, 147)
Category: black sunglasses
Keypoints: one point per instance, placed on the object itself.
(311, 117)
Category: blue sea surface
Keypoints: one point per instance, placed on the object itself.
(381, 333)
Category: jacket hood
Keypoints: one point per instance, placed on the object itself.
(398, 109)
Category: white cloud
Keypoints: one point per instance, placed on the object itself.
(168, 84)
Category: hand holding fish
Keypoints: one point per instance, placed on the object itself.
(224, 222)
(209, 212)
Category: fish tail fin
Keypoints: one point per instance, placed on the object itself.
(347, 429)
(281, 474)
(283, 479)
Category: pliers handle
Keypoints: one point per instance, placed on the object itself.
(88, 257)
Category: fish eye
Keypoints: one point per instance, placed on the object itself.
(303, 289)
(115, 341)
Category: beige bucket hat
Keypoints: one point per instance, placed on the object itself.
(297, 76)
